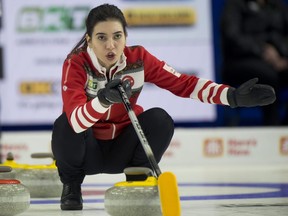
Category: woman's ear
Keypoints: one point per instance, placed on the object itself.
(88, 39)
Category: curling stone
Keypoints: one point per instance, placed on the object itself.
(42, 180)
(14, 196)
(138, 195)
(6, 172)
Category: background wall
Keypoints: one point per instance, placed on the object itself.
(39, 101)
(38, 35)
(202, 142)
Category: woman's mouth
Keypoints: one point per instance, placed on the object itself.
(111, 56)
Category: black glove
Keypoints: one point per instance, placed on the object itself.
(250, 94)
(110, 94)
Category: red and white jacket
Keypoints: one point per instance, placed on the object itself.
(83, 76)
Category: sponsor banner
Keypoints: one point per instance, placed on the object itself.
(229, 146)
(37, 36)
(189, 147)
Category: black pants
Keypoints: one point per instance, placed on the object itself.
(81, 154)
(240, 71)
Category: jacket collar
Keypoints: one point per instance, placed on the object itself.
(120, 64)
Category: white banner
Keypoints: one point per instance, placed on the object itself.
(38, 35)
(228, 146)
(189, 147)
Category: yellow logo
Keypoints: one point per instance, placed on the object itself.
(37, 88)
(160, 16)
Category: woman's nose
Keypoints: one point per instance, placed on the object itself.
(110, 44)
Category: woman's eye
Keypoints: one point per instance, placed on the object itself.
(101, 38)
(117, 36)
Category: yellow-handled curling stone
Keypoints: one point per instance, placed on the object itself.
(42, 180)
(138, 195)
(14, 196)
(7, 172)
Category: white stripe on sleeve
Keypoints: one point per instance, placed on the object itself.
(205, 93)
(96, 105)
(223, 96)
(88, 115)
(198, 87)
(77, 128)
(82, 119)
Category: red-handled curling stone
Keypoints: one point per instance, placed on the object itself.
(14, 197)
(41, 180)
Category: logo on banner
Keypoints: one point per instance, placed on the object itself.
(161, 16)
(241, 147)
(51, 19)
(213, 147)
(39, 87)
(284, 146)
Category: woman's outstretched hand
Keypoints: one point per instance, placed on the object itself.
(250, 94)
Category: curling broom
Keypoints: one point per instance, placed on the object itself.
(167, 183)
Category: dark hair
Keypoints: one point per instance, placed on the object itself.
(101, 13)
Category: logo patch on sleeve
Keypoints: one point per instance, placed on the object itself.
(171, 70)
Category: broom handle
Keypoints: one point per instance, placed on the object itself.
(139, 131)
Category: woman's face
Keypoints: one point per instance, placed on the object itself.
(108, 41)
